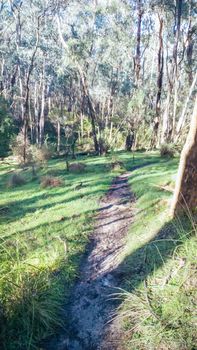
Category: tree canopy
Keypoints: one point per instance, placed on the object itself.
(106, 69)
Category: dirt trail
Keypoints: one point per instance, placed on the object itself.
(91, 306)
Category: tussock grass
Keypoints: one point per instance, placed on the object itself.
(50, 181)
(161, 313)
(15, 180)
(167, 150)
(31, 298)
(77, 167)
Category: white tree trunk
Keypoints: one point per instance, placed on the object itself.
(183, 116)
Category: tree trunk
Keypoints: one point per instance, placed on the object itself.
(185, 194)
(58, 136)
(183, 116)
(129, 141)
(81, 125)
(165, 124)
(178, 15)
(31, 122)
(159, 83)
(36, 114)
(90, 106)
(175, 102)
(111, 132)
(27, 87)
(137, 59)
(21, 94)
(42, 119)
(190, 47)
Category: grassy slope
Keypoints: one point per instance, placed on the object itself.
(42, 235)
(159, 305)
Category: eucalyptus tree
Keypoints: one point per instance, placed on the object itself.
(95, 49)
(185, 194)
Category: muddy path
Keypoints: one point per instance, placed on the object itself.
(91, 306)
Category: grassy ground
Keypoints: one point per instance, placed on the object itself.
(43, 233)
(159, 298)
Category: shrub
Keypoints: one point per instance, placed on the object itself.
(50, 181)
(115, 163)
(86, 145)
(144, 137)
(167, 150)
(77, 167)
(104, 146)
(41, 155)
(17, 147)
(16, 180)
(33, 153)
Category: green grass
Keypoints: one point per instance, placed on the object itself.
(159, 300)
(43, 233)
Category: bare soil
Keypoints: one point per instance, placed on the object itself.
(91, 307)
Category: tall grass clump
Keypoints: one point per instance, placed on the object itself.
(167, 150)
(114, 163)
(160, 313)
(31, 299)
(16, 180)
(51, 181)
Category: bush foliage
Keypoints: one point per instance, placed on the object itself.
(16, 180)
(167, 150)
(17, 146)
(34, 153)
(42, 154)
